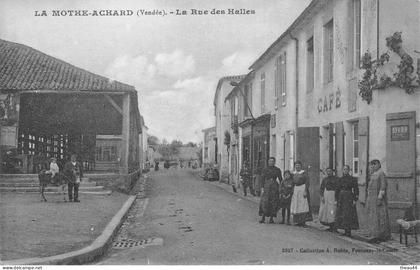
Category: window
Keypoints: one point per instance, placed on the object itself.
(282, 78)
(247, 99)
(236, 106)
(206, 152)
(106, 153)
(357, 29)
(280, 81)
(246, 94)
(262, 92)
(232, 109)
(310, 60)
(354, 42)
(334, 148)
(98, 153)
(355, 149)
(292, 151)
(273, 145)
(277, 83)
(328, 51)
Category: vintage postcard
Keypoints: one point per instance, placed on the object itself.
(234, 132)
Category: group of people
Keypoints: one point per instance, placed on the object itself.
(339, 197)
(72, 174)
(290, 193)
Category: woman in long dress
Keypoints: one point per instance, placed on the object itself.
(270, 182)
(328, 205)
(377, 204)
(347, 194)
(300, 204)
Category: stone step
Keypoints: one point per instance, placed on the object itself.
(36, 189)
(36, 184)
(18, 176)
(25, 178)
(103, 192)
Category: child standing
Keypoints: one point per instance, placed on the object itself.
(286, 192)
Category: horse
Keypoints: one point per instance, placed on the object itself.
(45, 179)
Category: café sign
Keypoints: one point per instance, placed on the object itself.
(328, 102)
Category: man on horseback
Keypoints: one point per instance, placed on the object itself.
(73, 171)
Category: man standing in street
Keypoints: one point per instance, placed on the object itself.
(73, 170)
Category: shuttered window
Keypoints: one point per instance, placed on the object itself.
(310, 61)
(328, 51)
(280, 80)
(262, 92)
(247, 99)
(355, 149)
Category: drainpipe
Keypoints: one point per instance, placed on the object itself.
(297, 93)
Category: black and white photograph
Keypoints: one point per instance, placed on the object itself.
(209, 133)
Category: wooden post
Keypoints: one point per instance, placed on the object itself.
(125, 138)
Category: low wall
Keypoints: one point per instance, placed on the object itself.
(118, 182)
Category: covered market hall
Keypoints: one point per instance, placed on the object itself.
(50, 108)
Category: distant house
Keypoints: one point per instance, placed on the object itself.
(188, 155)
(209, 146)
(223, 122)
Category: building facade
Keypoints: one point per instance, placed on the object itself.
(223, 124)
(209, 146)
(311, 83)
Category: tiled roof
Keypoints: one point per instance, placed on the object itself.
(24, 68)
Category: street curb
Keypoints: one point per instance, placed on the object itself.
(86, 254)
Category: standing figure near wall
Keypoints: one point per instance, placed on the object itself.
(257, 179)
(328, 205)
(300, 205)
(377, 204)
(270, 182)
(246, 177)
(347, 194)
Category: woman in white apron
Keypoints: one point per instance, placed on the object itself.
(328, 205)
(299, 206)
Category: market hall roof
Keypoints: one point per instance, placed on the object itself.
(25, 68)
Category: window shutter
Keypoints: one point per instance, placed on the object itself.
(283, 75)
(276, 84)
(330, 143)
(339, 140)
(363, 155)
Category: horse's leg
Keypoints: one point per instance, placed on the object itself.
(42, 193)
(63, 189)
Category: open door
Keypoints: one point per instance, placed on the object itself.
(307, 151)
(400, 163)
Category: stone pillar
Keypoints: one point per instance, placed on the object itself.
(125, 135)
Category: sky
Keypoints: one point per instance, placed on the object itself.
(173, 61)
